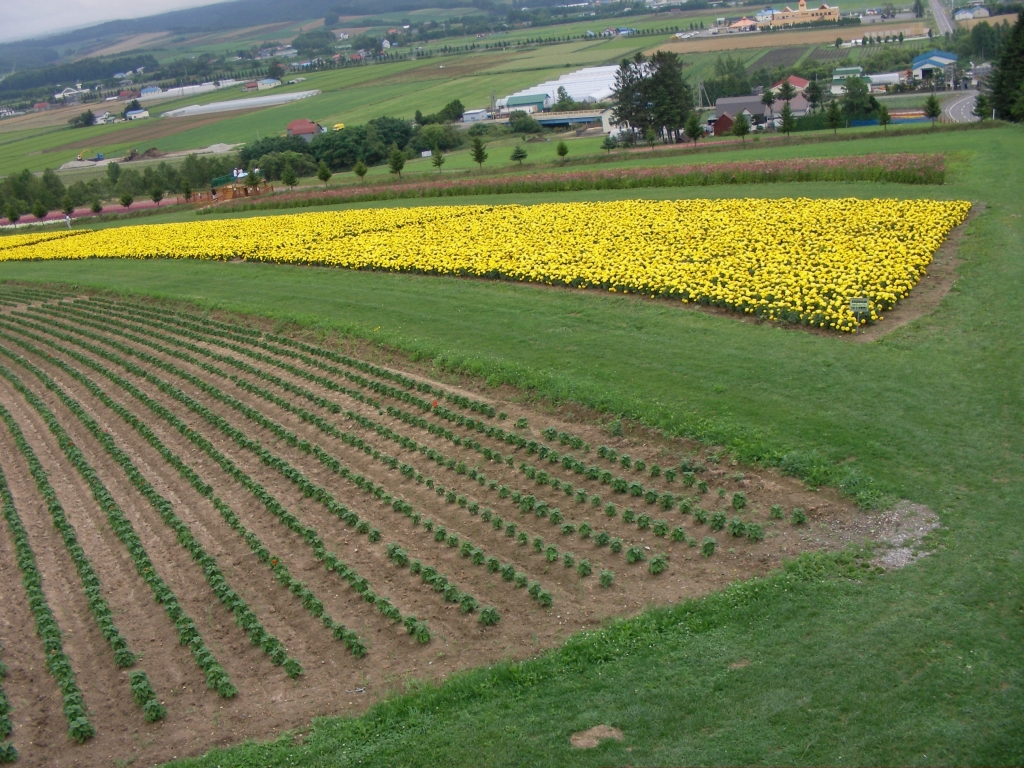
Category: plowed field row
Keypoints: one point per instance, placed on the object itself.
(300, 530)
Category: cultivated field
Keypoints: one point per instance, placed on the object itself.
(727, 42)
(316, 529)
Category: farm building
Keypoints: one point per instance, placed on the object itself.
(797, 82)
(474, 115)
(587, 85)
(723, 124)
(802, 15)
(839, 75)
(267, 83)
(750, 106)
(932, 64)
(743, 25)
(304, 129)
(149, 91)
(879, 82)
(136, 114)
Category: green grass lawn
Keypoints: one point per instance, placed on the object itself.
(920, 666)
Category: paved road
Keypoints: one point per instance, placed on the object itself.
(945, 25)
(959, 108)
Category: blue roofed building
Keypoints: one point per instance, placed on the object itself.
(933, 64)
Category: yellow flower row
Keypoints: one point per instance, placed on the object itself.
(17, 241)
(792, 260)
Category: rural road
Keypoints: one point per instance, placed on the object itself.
(945, 25)
(960, 108)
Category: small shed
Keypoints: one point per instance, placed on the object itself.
(136, 114)
(723, 125)
(304, 129)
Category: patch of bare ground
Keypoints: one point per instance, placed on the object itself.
(592, 737)
(334, 681)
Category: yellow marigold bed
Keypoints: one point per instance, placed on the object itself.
(795, 260)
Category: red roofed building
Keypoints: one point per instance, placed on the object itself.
(797, 82)
(723, 125)
(304, 128)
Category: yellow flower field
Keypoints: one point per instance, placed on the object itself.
(796, 260)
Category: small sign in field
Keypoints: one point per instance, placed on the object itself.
(859, 306)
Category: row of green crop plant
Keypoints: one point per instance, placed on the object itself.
(450, 496)
(244, 616)
(188, 634)
(355, 441)
(8, 752)
(152, 709)
(302, 593)
(440, 583)
(660, 527)
(307, 533)
(91, 584)
(232, 332)
(57, 662)
(308, 488)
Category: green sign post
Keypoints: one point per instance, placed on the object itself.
(859, 307)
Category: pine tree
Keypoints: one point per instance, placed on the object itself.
(788, 121)
(932, 108)
(360, 169)
(518, 154)
(437, 159)
(883, 116)
(741, 127)
(833, 117)
(562, 150)
(478, 152)
(288, 177)
(693, 129)
(1007, 77)
(323, 173)
(396, 162)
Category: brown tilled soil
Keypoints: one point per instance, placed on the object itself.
(334, 681)
(731, 42)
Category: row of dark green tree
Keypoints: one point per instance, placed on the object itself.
(25, 192)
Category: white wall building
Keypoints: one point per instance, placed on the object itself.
(585, 85)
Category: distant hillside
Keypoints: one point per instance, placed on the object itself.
(32, 54)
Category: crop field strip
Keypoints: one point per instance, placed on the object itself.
(526, 502)
(778, 57)
(263, 461)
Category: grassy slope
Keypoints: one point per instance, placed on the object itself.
(919, 666)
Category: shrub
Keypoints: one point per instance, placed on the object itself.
(551, 553)
(615, 545)
(585, 530)
(799, 516)
(660, 528)
(568, 529)
(737, 527)
(643, 522)
(489, 616)
(635, 555)
(628, 515)
(658, 564)
(739, 500)
(707, 547)
(776, 512)
(678, 534)
(584, 569)
(609, 510)
(606, 578)
(602, 539)
(569, 559)
(718, 521)
(755, 532)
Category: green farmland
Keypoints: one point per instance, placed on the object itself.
(818, 663)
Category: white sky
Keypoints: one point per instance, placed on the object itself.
(33, 18)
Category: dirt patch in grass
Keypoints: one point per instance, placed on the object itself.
(592, 737)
